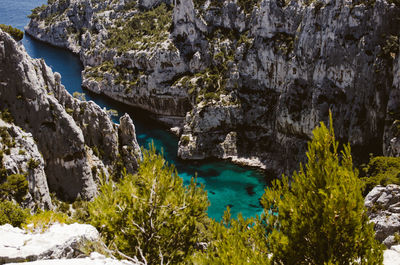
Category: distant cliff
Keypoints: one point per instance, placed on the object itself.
(70, 142)
(246, 80)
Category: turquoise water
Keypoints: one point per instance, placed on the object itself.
(227, 184)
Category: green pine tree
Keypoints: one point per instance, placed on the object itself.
(318, 216)
(151, 215)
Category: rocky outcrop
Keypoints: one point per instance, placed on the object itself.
(59, 244)
(246, 80)
(77, 139)
(20, 155)
(59, 241)
(383, 204)
(93, 259)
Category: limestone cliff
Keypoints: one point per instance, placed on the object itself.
(20, 155)
(246, 80)
(76, 139)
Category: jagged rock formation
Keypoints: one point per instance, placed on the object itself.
(20, 155)
(76, 139)
(383, 204)
(247, 80)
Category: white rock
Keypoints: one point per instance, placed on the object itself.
(391, 257)
(59, 241)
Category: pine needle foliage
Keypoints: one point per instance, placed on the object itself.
(318, 217)
(235, 242)
(151, 216)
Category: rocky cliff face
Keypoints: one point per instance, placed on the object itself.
(20, 155)
(76, 140)
(247, 80)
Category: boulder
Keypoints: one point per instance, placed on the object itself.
(59, 241)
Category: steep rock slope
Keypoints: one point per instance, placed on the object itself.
(247, 80)
(20, 155)
(76, 139)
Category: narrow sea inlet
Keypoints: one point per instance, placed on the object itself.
(227, 184)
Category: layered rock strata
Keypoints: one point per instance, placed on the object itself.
(246, 80)
(77, 139)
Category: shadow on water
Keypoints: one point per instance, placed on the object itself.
(227, 184)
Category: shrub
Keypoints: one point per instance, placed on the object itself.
(185, 140)
(12, 213)
(15, 187)
(321, 219)
(33, 163)
(14, 32)
(235, 242)
(151, 215)
(42, 220)
(80, 96)
(5, 115)
(381, 170)
(36, 11)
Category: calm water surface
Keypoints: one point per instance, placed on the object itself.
(227, 184)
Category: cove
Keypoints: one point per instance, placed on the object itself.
(227, 184)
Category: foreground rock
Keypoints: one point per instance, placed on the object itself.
(392, 256)
(244, 80)
(59, 241)
(77, 139)
(94, 259)
(383, 204)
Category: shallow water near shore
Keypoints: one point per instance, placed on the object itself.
(227, 184)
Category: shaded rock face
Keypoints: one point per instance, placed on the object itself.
(17, 161)
(251, 81)
(67, 130)
(383, 204)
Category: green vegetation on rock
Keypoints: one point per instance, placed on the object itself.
(381, 170)
(144, 30)
(14, 32)
(14, 187)
(12, 213)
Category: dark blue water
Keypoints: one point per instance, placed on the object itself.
(227, 184)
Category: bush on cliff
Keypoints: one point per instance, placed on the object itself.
(12, 213)
(318, 217)
(14, 32)
(14, 187)
(381, 170)
(151, 215)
